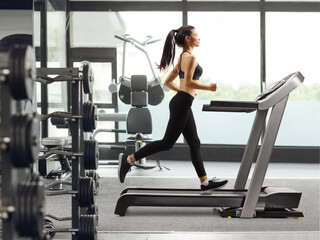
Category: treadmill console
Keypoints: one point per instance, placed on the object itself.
(271, 89)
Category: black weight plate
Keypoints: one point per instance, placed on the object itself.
(38, 206)
(83, 192)
(32, 224)
(155, 95)
(80, 192)
(92, 155)
(96, 155)
(13, 142)
(85, 117)
(82, 226)
(22, 72)
(32, 137)
(88, 192)
(92, 232)
(124, 94)
(16, 73)
(18, 150)
(93, 209)
(91, 191)
(24, 211)
(93, 117)
(23, 142)
(87, 164)
(19, 221)
(86, 154)
(87, 78)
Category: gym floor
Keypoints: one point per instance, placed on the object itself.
(182, 169)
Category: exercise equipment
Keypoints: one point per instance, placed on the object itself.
(24, 143)
(87, 228)
(86, 192)
(22, 196)
(89, 117)
(30, 208)
(154, 86)
(256, 201)
(84, 74)
(90, 154)
(139, 92)
(17, 68)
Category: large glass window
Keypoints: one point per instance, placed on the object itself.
(292, 41)
(139, 25)
(95, 29)
(230, 56)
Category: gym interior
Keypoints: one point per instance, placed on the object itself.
(90, 89)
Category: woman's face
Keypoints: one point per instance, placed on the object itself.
(195, 40)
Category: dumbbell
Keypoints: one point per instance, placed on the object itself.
(86, 192)
(87, 228)
(86, 76)
(28, 210)
(23, 143)
(89, 116)
(17, 68)
(90, 154)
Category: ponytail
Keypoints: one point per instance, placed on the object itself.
(169, 51)
(174, 37)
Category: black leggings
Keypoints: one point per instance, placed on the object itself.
(181, 121)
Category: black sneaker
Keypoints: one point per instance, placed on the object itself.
(214, 183)
(123, 167)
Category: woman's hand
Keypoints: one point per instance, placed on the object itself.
(212, 87)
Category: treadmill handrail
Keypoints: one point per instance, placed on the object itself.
(231, 106)
(269, 98)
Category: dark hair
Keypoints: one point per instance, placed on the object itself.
(169, 49)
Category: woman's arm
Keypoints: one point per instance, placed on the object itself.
(191, 64)
(171, 77)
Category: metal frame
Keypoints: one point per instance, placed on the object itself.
(185, 5)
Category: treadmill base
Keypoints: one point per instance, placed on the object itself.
(263, 213)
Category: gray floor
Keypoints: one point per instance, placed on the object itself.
(181, 169)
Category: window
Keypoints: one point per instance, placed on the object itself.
(230, 56)
(292, 41)
(139, 25)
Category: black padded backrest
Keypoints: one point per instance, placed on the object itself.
(139, 99)
(139, 83)
(139, 91)
(139, 121)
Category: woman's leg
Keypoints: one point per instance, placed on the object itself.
(191, 136)
(192, 139)
(179, 111)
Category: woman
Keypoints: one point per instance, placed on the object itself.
(181, 116)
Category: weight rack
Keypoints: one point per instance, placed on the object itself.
(80, 113)
(22, 195)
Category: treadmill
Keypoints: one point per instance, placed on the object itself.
(256, 201)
